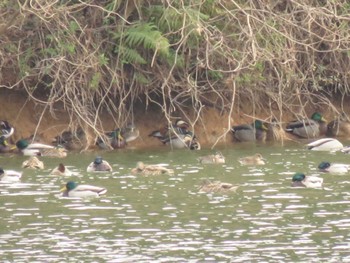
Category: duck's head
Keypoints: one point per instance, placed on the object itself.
(98, 160)
(258, 124)
(318, 117)
(69, 186)
(61, 168)
(182, 124)
(298, 177)
(324, 165)
(1, 171)
(22, 144)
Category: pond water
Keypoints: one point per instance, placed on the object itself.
(165, 219)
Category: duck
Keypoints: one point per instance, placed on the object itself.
(130, 133)
(275, 132)
(346, 149)
(216, 187)
(61, 170)
(99, 165)
(146, 170)
(71, 140)
(6, 130)
(212, 158)
(336, 168)
(340, 127)
(177, 136)
(40, 149)
(308, 128)
(73, 189)
(33, 163)
(250, 132)
(9, 175)
(256, 159)
(300, 180)
(325, 144)
(5, 147)
(113, 139)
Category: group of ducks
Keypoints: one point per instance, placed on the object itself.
(306, 128)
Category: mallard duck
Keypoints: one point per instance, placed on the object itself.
(99, 165)
(325, 144)
(146, 170)
(216, 187)
(5, 147)
(72, 189)
(255, 159)
(71, 140)
(40, 149)
(337, 168)
(112, 139)
(308, 128)
(250, 132)
(9, 175)
(130, 133)
(6, 130)
(177, 136)
(300, 180)
(212, 158)
(275, 132)
(61, 170)
(340, 127)
(33, 163)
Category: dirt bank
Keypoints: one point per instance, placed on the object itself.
(30, 117)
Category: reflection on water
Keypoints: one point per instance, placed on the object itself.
(165, 219)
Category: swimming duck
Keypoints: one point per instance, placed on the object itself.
(40, 149)
(99, 165)
(325, 144)
(9, 175)
(72, 189)
(216, 187)
(300, 180)
(346, 149)
(250, 132)
(340, 127)
(61, 170)
(212, 158)
(146, 170)
(71, 140)
(308, 128)
(337, 168)
(255, 159)
(6, 130)
(33, 163)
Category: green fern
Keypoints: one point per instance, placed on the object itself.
(129, 55)
(148, 36)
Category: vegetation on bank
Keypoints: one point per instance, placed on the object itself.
(93, 56)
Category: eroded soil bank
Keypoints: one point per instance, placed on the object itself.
(30, 117)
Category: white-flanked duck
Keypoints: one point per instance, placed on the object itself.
(301, 180)
(325, 144)
(72, 189)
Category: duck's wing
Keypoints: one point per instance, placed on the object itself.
(87, 190)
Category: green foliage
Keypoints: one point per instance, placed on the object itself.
(95, 81)
(137, 38)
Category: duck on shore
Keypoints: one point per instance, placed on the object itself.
(308, 128)
(339, 127)
(250, 132)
